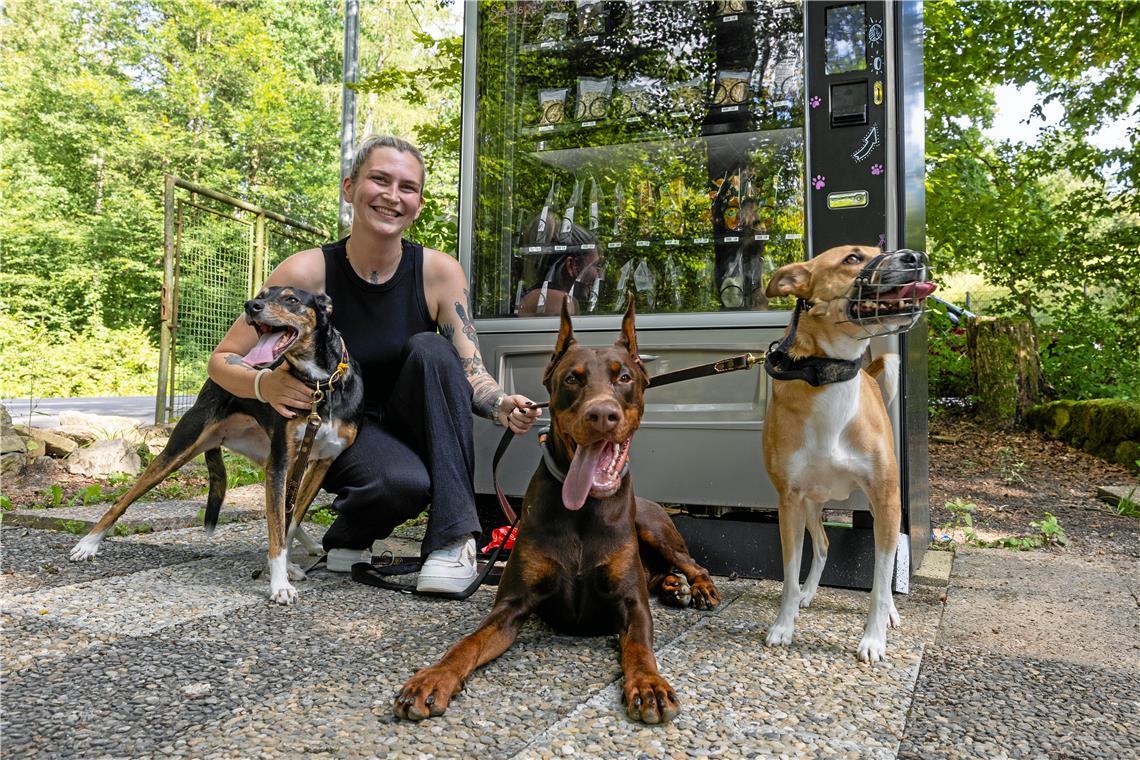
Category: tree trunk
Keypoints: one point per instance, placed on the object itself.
(1007, 368)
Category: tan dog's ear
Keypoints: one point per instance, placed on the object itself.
(790, 279)
(628, 337)
(562, 345)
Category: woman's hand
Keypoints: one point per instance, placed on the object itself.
(281, 390)
(518, 413)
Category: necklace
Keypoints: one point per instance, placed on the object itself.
(374, 276)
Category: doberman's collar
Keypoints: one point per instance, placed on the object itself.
(544, 438)
(814, 370)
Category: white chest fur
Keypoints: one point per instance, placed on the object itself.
(327, 443)
(827, 466)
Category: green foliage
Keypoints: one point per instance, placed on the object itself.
(5, 503)
(949, 363)
(241, 471)
(97, 361)
(1090, 348)
(322, 515)
(1049, 531)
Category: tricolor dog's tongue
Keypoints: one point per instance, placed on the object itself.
(580, 476)
(262, 353)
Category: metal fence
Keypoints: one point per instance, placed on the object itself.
(217, 252)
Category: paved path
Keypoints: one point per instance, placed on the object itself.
(44, 412)
(165, 645)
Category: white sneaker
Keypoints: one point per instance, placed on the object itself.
(450, 569)
(342, 560)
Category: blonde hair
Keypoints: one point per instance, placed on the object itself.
(370, 144)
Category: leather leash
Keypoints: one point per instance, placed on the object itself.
(313, 423)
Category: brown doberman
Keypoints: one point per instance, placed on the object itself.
(585, 544)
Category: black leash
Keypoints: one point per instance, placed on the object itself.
(378, 574)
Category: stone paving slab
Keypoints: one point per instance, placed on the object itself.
(185, 657)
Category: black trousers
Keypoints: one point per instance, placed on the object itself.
(419, 451)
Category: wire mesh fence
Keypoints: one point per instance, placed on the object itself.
(218, 250)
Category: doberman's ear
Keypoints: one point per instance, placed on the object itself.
(790, 279)
(628, 338)
(563, 344)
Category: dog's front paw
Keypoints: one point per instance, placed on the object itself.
(705, 595)
(426, 694)
(780, 634)
(294, 571)
(894, 620)
(873, 648)
(283, 595)
(650, 699)
(87, 548)
(807, 596)
(675, 590)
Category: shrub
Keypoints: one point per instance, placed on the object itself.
(100, 361)
(1090, 348)
(949, 366)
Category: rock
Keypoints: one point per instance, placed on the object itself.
(50, 443)
(105, 458)
(10, 443)
(12, 464)
(5, 418)
(81, 435)
(102, 425)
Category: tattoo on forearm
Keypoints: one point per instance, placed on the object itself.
(234, 359)
(468, 325)
(485, 393)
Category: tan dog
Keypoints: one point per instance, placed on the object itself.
(823, 441)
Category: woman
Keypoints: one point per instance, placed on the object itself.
(390, 296)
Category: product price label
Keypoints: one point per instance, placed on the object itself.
(533, 249)
(560, 248)
(642, 243)
(546, 128)
(794, 236)
(761, 237)
(729, 19)
(587, 246)
(731, 239)
(672, 242)
(615, 244)
(729, 109)
(589, 123)
(701, 241)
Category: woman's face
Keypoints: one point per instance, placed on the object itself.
(387, 193)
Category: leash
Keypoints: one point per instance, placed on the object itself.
(377, 574)
(313, 423)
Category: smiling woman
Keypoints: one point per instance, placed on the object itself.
(404, 314)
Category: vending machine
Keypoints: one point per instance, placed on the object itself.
(676, 154)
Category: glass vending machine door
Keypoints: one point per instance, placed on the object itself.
(644, 150)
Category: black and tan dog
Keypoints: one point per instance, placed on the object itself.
(293, 326)
(586, 545)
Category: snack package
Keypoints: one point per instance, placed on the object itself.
(635, 97)
(646, 285)
(540, 230)
(687, 95)
(672, 283)
(553, 27)
(571, 209)
(594, 224)
(622, 286)
(671, 205)
(732, 283)
(731, 88)
(591, 17)
(593, 98)
(749, 202)
(730, 7)
(552, 105)
(782, 78)
(646, 207)
(729, 197)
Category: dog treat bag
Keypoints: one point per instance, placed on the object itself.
(553, 27)
(591, 17)
(593, 225)
(571, 209)
(593, 98)
(672, 283)
(687, 95)
(540, 230)
(731, 88)
(645, 284)
(622, 285)
(730, 7)
(552, 105)
(732, 284)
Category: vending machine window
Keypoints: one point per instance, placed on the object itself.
(643, 150)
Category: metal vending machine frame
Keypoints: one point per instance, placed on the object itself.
(699, 447)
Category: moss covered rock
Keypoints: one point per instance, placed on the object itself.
(1108, 428)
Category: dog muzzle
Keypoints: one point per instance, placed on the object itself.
(889, 295)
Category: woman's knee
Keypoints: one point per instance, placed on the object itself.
(430, 348)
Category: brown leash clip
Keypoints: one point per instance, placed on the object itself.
(733, 363)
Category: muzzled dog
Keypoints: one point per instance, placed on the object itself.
(293, 325)
(827, 431)
(588, 552)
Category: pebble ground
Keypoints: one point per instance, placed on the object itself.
(165, 646)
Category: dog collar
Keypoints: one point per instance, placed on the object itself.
(814, 370)
(548, 457)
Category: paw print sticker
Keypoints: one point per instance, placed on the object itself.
(818, 181)
(815, 101)
(876, 169)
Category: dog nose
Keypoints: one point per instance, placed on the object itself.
(603, 416)
(254, 305)
(908, 257)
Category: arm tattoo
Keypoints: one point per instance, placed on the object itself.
(485, 391)
(234, 359)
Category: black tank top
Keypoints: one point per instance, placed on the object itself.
(377, 320)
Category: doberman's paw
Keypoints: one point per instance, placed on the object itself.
(650, 699)
(426, 694)
(705, 595)
(675, 590)
(283, 595)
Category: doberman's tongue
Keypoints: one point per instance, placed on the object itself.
(580, 476)
(262, 353)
